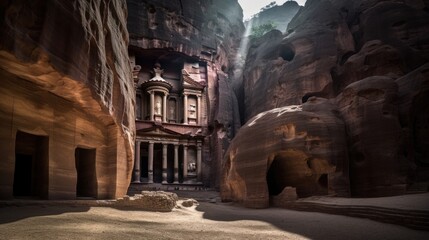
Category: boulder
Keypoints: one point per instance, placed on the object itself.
(303, 146)
(159, 201)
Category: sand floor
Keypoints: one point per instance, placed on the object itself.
(205, 221)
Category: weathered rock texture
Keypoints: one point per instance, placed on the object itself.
(207, 31)
(66, 77)
(151, 201)
(287, 196)
(280, 16)
(302, 146)
(370, 59)
(369, 108)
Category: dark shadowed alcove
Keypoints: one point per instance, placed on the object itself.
(86, 185)
(31, 166)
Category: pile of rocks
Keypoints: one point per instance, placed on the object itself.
(150, 200)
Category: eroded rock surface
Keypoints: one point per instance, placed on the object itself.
(150, 200)
(67, 77)
(370, 59)
(280, 16)
(376, 139)
(302, 146)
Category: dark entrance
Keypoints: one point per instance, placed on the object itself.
(86, 175)
(276, 183)
(144, 161)
(157, 163)
(31, 166)
(170, 163)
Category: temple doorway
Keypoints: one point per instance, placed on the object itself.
(170, 163)
(31, 166)
(86, 185)
(144, 162)
(157, 163)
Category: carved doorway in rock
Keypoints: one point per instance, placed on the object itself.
(144, 162)
(86, 186)
(170, 163)
(31, 166)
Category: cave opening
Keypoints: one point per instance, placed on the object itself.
(31, 166)
(287, 53)
(323, 181)
(86, 185)
(276, 173)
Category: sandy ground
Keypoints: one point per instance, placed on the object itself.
(205, 221)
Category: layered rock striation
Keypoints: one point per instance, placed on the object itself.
(66, 79)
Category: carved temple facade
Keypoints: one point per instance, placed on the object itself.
(171, 118)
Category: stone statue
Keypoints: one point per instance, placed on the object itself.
(158, 107)
(192, 110)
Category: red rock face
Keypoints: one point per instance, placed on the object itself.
(302, 146)
(375, 137)
(70, 59)
(370, 58)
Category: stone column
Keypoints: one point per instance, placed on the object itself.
(199, 162)
(150, 163)
(137, 173)
(185, 162)
(164, 108)
(164, 163)
(185, 109)
(199, 110)
(176, 163)
(152, 102)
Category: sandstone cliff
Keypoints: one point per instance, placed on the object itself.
(75, 52)
(370, 59)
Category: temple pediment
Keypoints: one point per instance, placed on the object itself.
(158, 130)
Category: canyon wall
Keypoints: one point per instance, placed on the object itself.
(369, 59)
(279, 16)
(67, 91)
